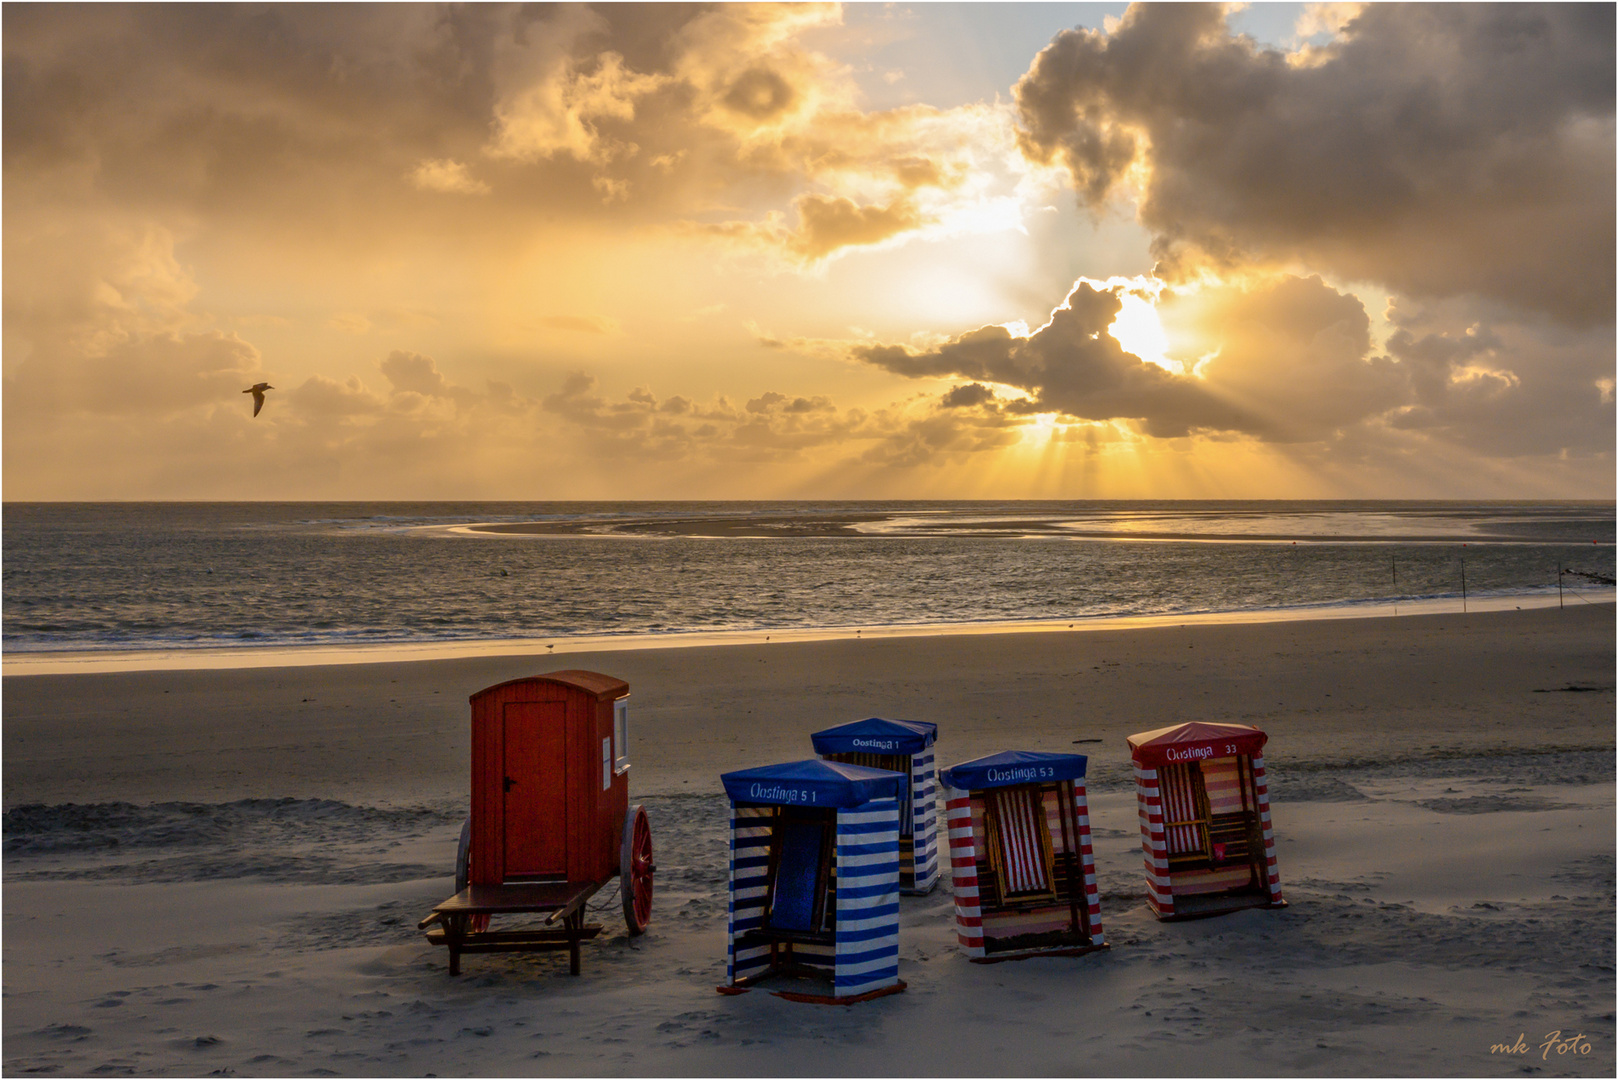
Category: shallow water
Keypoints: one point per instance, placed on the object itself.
(87, 577)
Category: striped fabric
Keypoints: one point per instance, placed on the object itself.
(1179, 808)
(893, 763)
(865, 953)
(1220, 879)
(924, 812)
(749, 867)
(966, 837)
(1222, 780)
(1261, 791)
(1087, 862)
(1153, 842)
(867, 898)
(918, 815)
(1161, 886)
(1024, 840)
(963, 859)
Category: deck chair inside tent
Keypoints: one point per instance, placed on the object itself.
(814, 879)
(1205, 819)
(1024, 871)
(1020, 855)
(802, 875)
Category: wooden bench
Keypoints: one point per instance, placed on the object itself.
(560, 901)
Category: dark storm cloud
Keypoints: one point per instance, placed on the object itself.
(1436, 149)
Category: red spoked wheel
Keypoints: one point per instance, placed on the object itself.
(635, 869)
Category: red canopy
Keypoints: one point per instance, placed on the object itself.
(1195, 741)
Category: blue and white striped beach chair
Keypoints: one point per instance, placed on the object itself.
(814, 878)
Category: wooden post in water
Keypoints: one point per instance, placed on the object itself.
(1558, 586)
(1396, 584)
(1463, 586)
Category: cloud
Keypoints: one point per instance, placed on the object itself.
(828, 224)
(1295, 356)
(448, 177)
(969, 396)
(1437, 150)
(325, 399)
(772, 402)
(414, 373)
(153, 375)
(1293, 363)
(779, 428)
(1503, 389)
(565, 109)
(330, 125)
(1073, 366)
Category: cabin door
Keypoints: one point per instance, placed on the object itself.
(534, 813)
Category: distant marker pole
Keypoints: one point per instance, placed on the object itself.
(1558, 586)
(1463, 586)
(1396, 584)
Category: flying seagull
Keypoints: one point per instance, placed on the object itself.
(257, 390)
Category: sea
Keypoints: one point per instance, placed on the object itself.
(95, 577)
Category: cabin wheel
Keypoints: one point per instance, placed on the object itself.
(463, 874)
(635, 869)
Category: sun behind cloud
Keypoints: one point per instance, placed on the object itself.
(1246, 268)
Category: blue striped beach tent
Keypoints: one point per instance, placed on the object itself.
(814, 878)
(905, 746)
(1020, 856)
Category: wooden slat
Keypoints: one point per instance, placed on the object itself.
(513, 899)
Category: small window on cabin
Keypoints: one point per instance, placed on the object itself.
(620, 735)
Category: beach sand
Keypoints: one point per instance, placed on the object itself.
(236, 884)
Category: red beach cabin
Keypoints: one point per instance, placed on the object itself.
(550, 788)
(1205, 819)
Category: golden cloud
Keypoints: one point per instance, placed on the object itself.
(447, 176)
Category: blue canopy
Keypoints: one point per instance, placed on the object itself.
(812, 783)
(1014, 767)
(876, 736)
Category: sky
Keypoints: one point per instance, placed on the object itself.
(737, 251)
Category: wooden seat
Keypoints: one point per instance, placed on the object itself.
(1228, 839)
(559, 901)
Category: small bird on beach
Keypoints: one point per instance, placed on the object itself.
(257, 390)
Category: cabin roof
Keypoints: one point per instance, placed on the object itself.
(591, 682)
(1156, 745)
(813, 782)
(1014, 767)
(877, 736)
